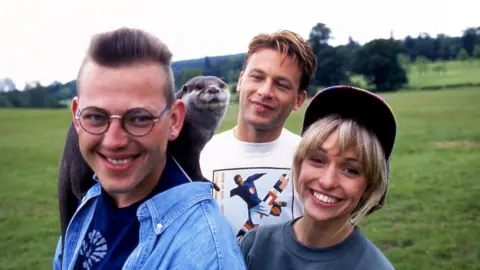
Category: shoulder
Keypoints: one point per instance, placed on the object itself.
(203, 239)
(290, 136)
(287, 143)
(216, 237)
(289, 139)
(260, 236)
(221, 137)
(372, 255)
(217, 141)
(263, 247)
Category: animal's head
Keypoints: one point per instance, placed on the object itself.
(205, 93)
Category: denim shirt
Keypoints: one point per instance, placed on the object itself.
(180, 228)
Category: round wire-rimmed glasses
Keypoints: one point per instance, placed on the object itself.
(136, 122)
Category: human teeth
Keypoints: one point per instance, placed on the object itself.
(324, 198)
(119, 161)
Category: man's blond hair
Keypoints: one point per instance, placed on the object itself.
(288, 44)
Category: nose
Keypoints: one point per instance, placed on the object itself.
(265, 89)
(115, 137)
(213, 90)
(329, 179)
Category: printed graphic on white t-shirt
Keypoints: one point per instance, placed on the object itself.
(251, 197)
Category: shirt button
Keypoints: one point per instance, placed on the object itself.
(159, 226)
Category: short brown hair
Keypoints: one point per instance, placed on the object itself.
(291, 44)
(127, 46)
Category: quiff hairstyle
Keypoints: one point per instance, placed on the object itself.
(127, 46)
(289, 44)
(370, 154)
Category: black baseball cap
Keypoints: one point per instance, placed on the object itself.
(365, 107)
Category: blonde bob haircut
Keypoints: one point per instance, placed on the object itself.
(370, 154)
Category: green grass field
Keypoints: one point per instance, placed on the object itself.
(430, 221)
(456, 72)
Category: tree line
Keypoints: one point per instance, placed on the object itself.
(383, 63)
(36, 95)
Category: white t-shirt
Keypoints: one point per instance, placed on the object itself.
(267, 194)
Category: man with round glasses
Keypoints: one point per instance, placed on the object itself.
(144, 212)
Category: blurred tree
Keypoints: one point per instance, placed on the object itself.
(404, 61)
(463, 55)
(421, 62)
(4, 102)
(189, 73)
(6, 85)
(470, 37)
(331, 67)
(476, 51)
(331, 61)
(378, 62)
(319, 36)
(440, 68)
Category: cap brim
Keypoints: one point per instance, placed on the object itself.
(368, 109)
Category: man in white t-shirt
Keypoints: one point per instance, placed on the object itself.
(251, 162)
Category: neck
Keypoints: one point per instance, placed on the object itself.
(248, 133)
(318, 234)
(142, 190)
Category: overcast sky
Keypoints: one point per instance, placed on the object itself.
(46, 40)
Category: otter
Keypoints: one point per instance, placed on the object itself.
(206, 99)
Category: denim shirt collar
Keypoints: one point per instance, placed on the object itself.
(165, 207)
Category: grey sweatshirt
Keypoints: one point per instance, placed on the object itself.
(275, 247)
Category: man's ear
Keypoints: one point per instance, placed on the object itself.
(74, 109)
(300, 99)
(177, 116)
(239, 82)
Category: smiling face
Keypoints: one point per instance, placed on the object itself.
(269, 90)
(339, 169)
(331, 183)
(128, 167)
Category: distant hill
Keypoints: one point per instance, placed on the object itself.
(179, 66)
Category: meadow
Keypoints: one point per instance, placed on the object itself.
(436, 75)
(430, 220)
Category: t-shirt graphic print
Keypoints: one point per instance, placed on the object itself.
(256, 196)
(93, 249)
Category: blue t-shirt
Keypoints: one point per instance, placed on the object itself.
(113, 232)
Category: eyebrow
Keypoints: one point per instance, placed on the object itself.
(322, 150)
(350, 159)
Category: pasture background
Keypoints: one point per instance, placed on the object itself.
(430, 221)
(455, 74)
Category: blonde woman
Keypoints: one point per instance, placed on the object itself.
(340, 170)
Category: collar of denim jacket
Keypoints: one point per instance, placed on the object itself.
(164, 208)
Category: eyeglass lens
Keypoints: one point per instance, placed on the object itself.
(136, 121)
